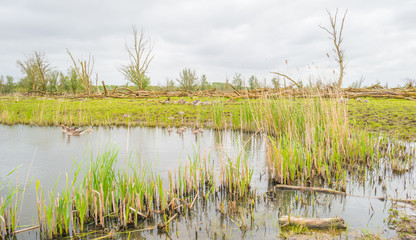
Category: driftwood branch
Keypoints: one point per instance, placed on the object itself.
(160, 225)
(321, 223)
(235, 90)
(105, 89)
(310, 189)
(290, 79)
(26, 229)
(193, 202)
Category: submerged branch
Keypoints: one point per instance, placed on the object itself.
(321, 223)
(311, 189)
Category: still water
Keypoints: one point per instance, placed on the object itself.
(46, 154)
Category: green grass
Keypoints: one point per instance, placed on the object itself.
(396, 117)
(104, 112)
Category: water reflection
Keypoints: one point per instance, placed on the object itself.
(53, 153)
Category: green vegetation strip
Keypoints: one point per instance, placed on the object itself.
(397, 117)
(106, 112)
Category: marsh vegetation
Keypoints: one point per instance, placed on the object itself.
(309, 142)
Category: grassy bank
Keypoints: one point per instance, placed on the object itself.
(395, 116)
(105, 112)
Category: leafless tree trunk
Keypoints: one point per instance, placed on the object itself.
(84, 70)
(140, 55)
(96, 83)
(336, 37)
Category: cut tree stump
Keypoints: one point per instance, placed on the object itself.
(320, 223)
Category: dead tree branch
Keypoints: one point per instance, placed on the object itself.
(336, 37)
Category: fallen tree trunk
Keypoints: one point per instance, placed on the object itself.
(321, 223)
(310, 189)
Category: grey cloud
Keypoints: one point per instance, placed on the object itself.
(215, 37)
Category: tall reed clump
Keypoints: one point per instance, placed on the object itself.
(9, 206)
(112, 196)
(311, 139)
(8, 212)
(218, 115)
(236, 176)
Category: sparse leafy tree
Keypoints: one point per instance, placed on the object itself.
(43, 68)
(36, 67)
(63, 83)
(170, 84)
(84, 70)
(335, 33)
(74, 82)
(253, 82)
(2, 84)
(409, 83)
(188, 79)
(52, 78)
(204, 83)
(8, 85)
(358, 83)
(238, 81)
(276, 82)
(140, 55)
(219, 85)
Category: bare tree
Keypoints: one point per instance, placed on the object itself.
(84, 70)
(335, 33)
(140, 55)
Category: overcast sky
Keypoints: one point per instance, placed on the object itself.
(216, 37)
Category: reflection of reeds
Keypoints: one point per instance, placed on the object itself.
(399, 154)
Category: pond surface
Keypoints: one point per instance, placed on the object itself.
(46, 154)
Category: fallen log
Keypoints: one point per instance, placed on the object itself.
(310, 189)
(26, 229)
(320, 223)
(408, 201)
